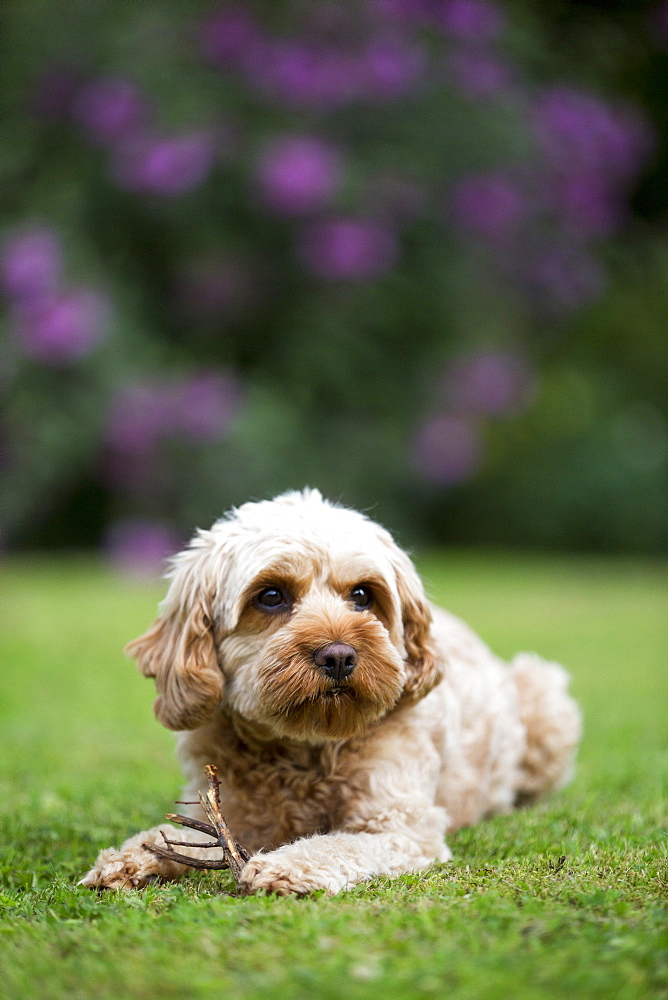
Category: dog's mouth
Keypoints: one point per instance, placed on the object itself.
(338, 692)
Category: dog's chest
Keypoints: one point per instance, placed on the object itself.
(274, 795)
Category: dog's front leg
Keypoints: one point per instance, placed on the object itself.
(131, 866)
(391, 826)
(336, 861)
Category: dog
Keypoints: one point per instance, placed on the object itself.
(352, 723)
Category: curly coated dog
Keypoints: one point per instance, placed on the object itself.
(353, 724)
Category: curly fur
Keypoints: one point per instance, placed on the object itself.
(331, 783)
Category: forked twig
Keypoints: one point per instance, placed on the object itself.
(235, 855)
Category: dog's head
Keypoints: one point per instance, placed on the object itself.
(298, 614)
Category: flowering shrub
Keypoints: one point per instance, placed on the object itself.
(51, 324)
(259, 245)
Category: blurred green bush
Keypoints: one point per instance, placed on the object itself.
(396, 249)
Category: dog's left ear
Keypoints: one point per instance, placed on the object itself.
(423, 667)
(179, 649)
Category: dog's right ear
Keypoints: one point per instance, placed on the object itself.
(179, 649)
(424, 668)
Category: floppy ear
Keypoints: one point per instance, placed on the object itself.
(423, 666)
(179, 649)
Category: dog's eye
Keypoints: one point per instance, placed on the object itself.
(272, 599)
(361, 597)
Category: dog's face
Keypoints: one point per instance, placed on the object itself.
(297, 614)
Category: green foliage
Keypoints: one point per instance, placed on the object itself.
(183, 272)
(565, 899)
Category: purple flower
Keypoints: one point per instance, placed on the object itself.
(477, 75)
(164, 166)
(110, 108)
(140, 547)
(579, 132)
(448, 450)
(208, 404)
(201, 408)
(298, 174)
(140, 415)
(31, 263)
(349, 249)
(391, 67)
(309, 74)
(228, 35)
(305, 74)
(472, 20)
(62, 327)
(586, 205)
(565, 278)
(491, 384)
(489, 205)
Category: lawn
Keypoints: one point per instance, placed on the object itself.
(566, 900)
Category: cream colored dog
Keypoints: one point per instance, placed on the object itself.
(352, 723)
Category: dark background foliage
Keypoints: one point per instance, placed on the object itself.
(410, 251)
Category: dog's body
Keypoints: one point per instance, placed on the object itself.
(352, 724)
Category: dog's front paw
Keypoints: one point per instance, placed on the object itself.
(288, 875)
(129, 869)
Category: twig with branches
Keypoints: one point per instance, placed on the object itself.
(235, 855)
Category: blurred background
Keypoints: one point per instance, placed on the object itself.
(412, 252)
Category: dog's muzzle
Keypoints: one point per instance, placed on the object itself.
(337, 660)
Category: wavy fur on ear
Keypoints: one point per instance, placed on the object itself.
(423, 667)
(179, 649)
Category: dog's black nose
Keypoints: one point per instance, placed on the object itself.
(336, 659)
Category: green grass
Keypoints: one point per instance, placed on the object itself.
(83, 765)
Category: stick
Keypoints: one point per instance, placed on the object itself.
(187, 843)
(194, 824)
(235, 855)
(185, 859)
